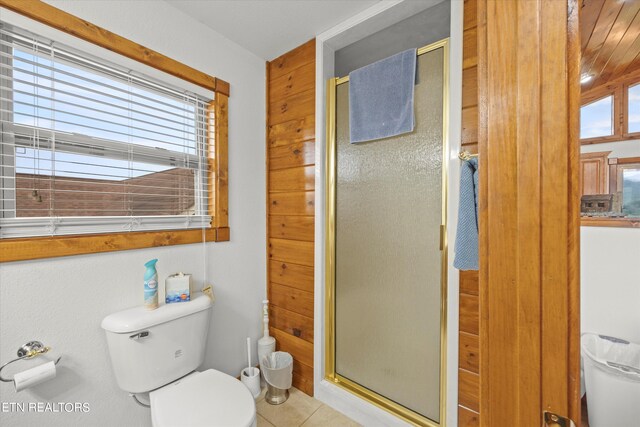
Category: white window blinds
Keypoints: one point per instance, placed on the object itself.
(89, 147)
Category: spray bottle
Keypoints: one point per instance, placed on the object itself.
(266, 344)
(151, 285)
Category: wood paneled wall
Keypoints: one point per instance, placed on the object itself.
(290, 206)
(469, 356)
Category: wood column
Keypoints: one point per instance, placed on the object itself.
(528, 79)
(469, 346)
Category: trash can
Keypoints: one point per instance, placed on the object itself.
(612, 380)
(277, 368)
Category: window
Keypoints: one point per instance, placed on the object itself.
(596, 118)
(611, 112)
(89, 147)
(629, 188)
(633, 113)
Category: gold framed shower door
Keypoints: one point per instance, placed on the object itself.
(330, 257)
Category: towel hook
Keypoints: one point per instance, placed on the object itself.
(465, 155)
(27, 351)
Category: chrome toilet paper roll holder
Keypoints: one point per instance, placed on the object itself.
(27, 351)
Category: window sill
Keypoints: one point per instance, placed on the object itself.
(50, 247)
(610, 222)
(611, 138)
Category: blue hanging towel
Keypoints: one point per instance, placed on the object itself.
(466, 247)
(381, 98)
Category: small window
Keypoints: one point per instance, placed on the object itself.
(596, 118)
(634, 108)
(88, 147)
(630, 175)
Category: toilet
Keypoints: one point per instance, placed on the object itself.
(157, 352)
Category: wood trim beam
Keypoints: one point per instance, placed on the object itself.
(218, 164)
(627, 160)
(610, 222)
(50, 247)
(221, 160)
(223, 234)
(63, 21)
(528, 79)
(614, 138)
(628, 79)
(596, 155)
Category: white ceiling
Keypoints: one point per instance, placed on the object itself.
(270, 28)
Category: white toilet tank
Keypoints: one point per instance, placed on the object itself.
(149, 349)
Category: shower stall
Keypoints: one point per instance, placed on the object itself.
(386, 252)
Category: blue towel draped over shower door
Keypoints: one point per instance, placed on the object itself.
(466, 247)
(381, 98)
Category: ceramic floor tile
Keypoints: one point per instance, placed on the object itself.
(263, 423)
(329, 417)
(262, 393)
(291, 413)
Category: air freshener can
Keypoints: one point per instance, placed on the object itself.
(151, 285)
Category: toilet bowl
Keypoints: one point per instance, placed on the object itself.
(203, 399)
(158, 352)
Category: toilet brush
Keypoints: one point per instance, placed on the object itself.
(250, 376)
(248, 352)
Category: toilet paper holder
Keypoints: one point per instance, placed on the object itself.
(27, 351)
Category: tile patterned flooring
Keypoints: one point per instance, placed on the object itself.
(299, 410)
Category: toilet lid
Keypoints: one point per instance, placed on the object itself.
(210, 398)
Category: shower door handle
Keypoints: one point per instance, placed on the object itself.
(554, 420)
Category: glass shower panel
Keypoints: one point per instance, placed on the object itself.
(389, 277)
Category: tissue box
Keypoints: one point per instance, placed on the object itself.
(178, 288)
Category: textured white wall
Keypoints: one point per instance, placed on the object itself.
(618, 148)
(610, 278)
(610, 289)
(62, 301)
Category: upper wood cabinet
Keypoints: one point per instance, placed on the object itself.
(593, 173)
(613, 177)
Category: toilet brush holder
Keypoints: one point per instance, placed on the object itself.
(250, 377)
(266, 346)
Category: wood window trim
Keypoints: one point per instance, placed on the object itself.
(619, 89)
(605, 139)
(615, 93)
(625, 108)
(31, 248)
(60, 20)
(610, 222)
(21, 249)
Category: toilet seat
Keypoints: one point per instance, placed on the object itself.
(210, 398)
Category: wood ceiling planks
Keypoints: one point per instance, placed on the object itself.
(610, 40)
